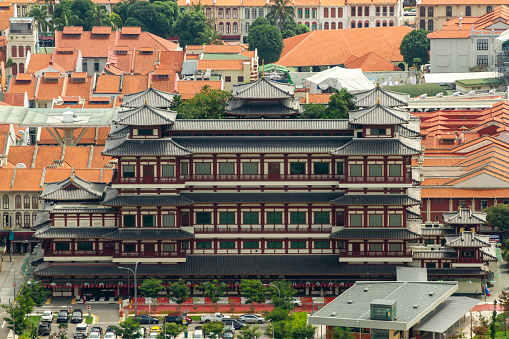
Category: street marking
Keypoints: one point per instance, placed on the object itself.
(3, 324)
(120, 299)
(48, 301)
(73, 301)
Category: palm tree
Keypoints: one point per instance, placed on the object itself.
(97, 16)
(114, 21)
(209, 37)
(67, 20)
(40, 15)
(341, 102)
(280, 12)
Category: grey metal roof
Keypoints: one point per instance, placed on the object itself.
(467, 239)
(412, 215)
(320, 266)
(463, 272)
(380, 146)
(152, 96)
(434, 255)
(265, 108)
(406, 273)
(378, 94)
(263, 88)
(465, 216)
(372, 199)
(84, 210)
(437, 231)
(447, 314)
(268, 198)
(340, 312)
(379, 115)
(148, 234)
(146, 200)
(41, 218)
(261, 144)
(73, 232)
(189, 67)
(73, 188)
(146, 115)
(375, 233)
(329, 125)
(489, 253)
(157, 147)
(118, 131)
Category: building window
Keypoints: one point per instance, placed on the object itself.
(395, 247)
(18, 219)
(96, 65)
(467, 254)
(356, 170)
(203, 218)
(297, 168)
(247, 12)
(307, 13)
(322, 244)
(297, 217)
(446, 265)
(384, 10)
(333, 13)
(247, 27)
(274, 244)
(235, 28)
(322, 217)
(17, 202)
(203, 245)
(489, 9)
(422, 11)
(429, 242)
(274, 218)
(251, 244)
(313, 26)
(299, 13)
(227, 218)
(26, 221)
(254, 13)
(128, 171)
(448, 11)
(484, 204)
(168, 171)
(375, 170)
(250, 168)
(430, 11)
(356, 220)
(395, 220)
(260, 12)
(221, 27)
(21, 52)
(353, 11)
(62, 246)
(228, 78)
(184, 168)
(227, 245)
(14, 52)
(366, 10)
(482, 60)
(35, 202)
(430, 25)
(250, 218)
(209, 12)
(352, 25)
(34, 216)
(391, 11)
(228, 28)
(85, 246)
(84, 66)
(333, 25)
(26, 202)
(221, 13)
(297, 244)
(129, 220)
(366, 23)
(240, 79)
(169, 220)
(468, 11)
(461, 203)
(376, 247)
(148, 220)
(326, 13)
(321, 168)
(235, 13)
(202, 168)
(313, 13)
(340, 218)
(422, 24)
(326, 26)
(168, 247)
(226, 168)
(129, 247)
(394, 170)
(431, 265)
(482, 44)
(375, 220)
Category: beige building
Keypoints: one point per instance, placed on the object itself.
(432, 14)
(21, 40)
(232, 72)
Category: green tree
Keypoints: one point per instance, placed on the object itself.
(209, 37)
(291, 28)
(80, 8)
(128, 329)
(260, 21)
(280, 12)
(151, 288)
(62, 330)
(208, 104)
(173, 330)
(269, 42)
(253, 290)
(17, 318)
(36, 292)
(40, 14)
(188, 27)
(282, 294)
(342, 333)
(212, 290)
(314, 111)
(167, 13)
(114, 21)
(67, 19)
(249, 332)
(498, 216)
(340, 103)
(61, 8)
(300, 328)
(213, 329)
(415, 45)
(278, 314)
(179, 292)
(97, 16)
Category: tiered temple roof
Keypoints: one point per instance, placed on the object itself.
(384, 97)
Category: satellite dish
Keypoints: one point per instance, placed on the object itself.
(20, 165)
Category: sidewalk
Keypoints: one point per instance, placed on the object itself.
(7, 277)
(212, 308)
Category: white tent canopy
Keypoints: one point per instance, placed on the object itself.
(499, 41)
(351, 79)
(449, 78)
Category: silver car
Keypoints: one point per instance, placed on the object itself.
(251, 319)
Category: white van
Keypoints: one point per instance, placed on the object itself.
(82, 328)
(198, 334)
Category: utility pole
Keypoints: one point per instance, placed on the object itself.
(471, 324)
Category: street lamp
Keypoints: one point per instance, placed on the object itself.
(270, 321)
(277, 288)
(135, 286)
(13, 302)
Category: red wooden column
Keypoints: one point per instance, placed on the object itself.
(119, 169)
(365, 168)
(177, 168)
(310, 166)
(239, 217)
(262, 218)
(190, 169)
(138, 216)
(310, 217)
(262, 165)
(238, 167)
(214, 165)
(159, 170)
(287, 217)
(285, 165)
(386, 169)
(366, 218)
(159, 217)
(216, 217)
(138, 169)
(386, 217)
(334, 170)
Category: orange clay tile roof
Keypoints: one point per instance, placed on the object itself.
(65, 50)
(172, 59)
(70, 99)
(51, 75)
(6, 178)
(57, 174)
(107, 84)
(254, 3)
(144, 62)
(91, 45)
(3, 138)
(447, 192)
(165, 85)
(101, 30)
(14, 99)
(217, 3)
(435, 181)
(160, 71)
(87, 138)
(45, 138)
(334, 47)
(28, 179)
(319, 98)
(131, 30)
(80, 89)
(99, 160)
(99, 99)
(66, 60)
(450, 34)
(189, 89)
(6, 12)
(371, 2)
(24, 77)
(21, 154)
(195, 47)
(38, 62)
(372, 62)
(249, 54)
(107, 175)
(99, 104)
(47, 154)
(223, 49)
(460, 2)
(192, 56)
(145, 39)
(48, 90)
(72, 30)
(23, 86)
(88, 174)
(102, 134)
(220, 65)
(134, 83)
(77, 156)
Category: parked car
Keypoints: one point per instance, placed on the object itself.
(63, 316)
(198, 334)
(44, 328)
(146, 319)
(47, 317)
(82, 328)
(96, 329)
(236, 324)
(77, 316)
(109, 335)
(205, 318)
(78, 336)
(228, 335)
(94, 335)
(251, 319)
(411, 12)
(109, 329)
(153, 335)
(297, 302)
(173, 318)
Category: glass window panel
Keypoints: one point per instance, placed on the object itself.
(203, 245)
(274, 217)
(226, 245)
(297, 217)
(202, 168)
(203, 218)
(321, 167)
(85, 246)
(296, 244)
(168, 171)
(375, 220)
(375, 170)
(395, 220)
(168, 247)
(322, 217)
(129, 247)
(356, 220)
(394, 170)
(322, 244)
(375, 247)
(297, 168)
(274, 244)
(169, 220)
(250, 217)
(250, 168)
(356, 170)
(62, 246)
(226, 168)
(395, 247)
(227, 218)
(129, 220)
(251, 244)
(148, 220)
(128, 171)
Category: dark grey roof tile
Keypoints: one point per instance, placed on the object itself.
(73, 188)
(379, 115)
(261, 197)
(148, 234)
(379, 146)
(375, 233)
(378, 94)
(152, 96)
(263, 88)
(73, 232)
(327, 125)
(123, 146)
(378, 200)
(146, 116)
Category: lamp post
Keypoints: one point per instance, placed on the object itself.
(272, 323)
(277, 288)
(135, 286)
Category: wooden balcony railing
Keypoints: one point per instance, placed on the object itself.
(259, 229)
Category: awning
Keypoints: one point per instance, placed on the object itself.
(22, 237)
(447, 314)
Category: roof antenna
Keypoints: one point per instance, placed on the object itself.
(263, 68)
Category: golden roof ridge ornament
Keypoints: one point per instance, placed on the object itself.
(378, 101)
(263, 68)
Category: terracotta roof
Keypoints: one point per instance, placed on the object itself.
(17, 86)
(57, 174)
(38, 62)
(165, 85)
(450, 34)
(255, 3)
(145, 39)
(189, 89)
(173, 59)
(107, 84)
(28, 179)
(14, 99)
(102, 135)
(372, 62)
(46, 155)
(6, 178)
(6, 12)
(334, 47)
(65, 50)
(322, 98)
(223, 49)
(131, 30)
(459, 2)
(203, 65)
(66, 60)
(464, 193)
(195, 47)
(90, 45)
(134, 83)
(24, 77)
(79, 88)
(21, 154)
(192, 56)
(371, 2)
(48, 90)
(144, 62)
(99, 160)
(101, 30)
(77, 156)
(72, 30)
